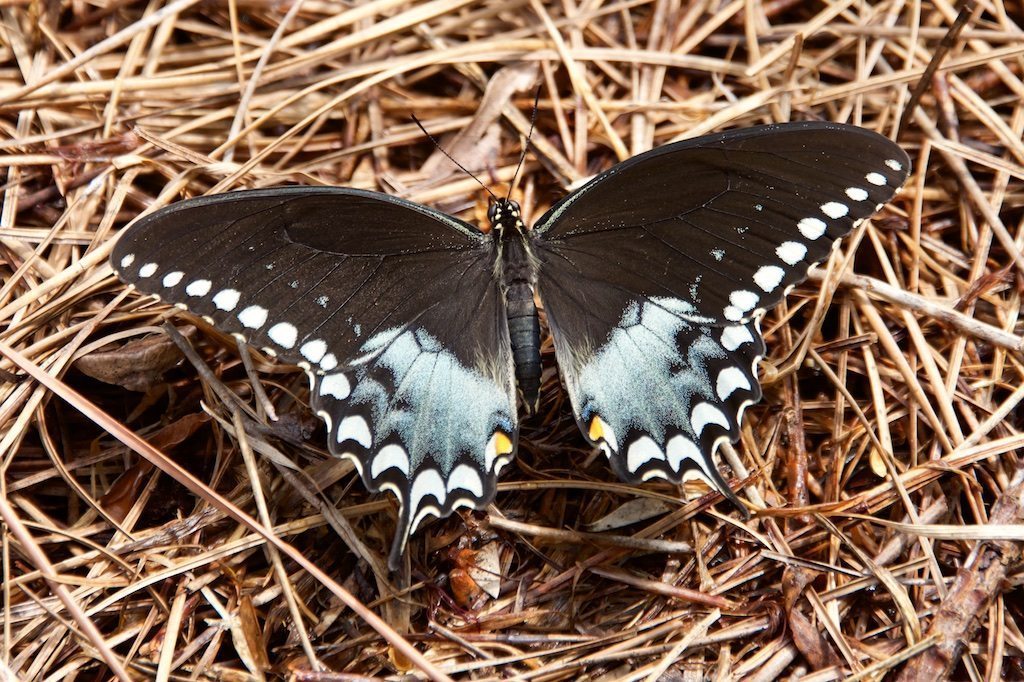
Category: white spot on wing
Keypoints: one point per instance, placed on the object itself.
(336, 386)
(390, 457)
(729, 381)
(329, 362)
(812, 228)
(283, 334)
(734, 337)
(894, 164)
(769, 277)
(704, 414)
(834, 209)
(389, 486)
(313, 350)
(464, 477)
(641, 451)
(856, 193)
(460, 502)
(427, 483)
(253, 317)
(355, 428)
(147, 270)
(680, 448)
(791, 253)
(128, 260)
(226, 299)
(172, 278)
(326, 416)
(428, 510)
(744, 300)
(875, 179)
(732, 313)
(200, 287)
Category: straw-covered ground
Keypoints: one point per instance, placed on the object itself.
(159, 522)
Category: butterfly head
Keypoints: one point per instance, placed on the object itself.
(504, 213)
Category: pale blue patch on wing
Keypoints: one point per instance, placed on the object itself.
(663, 370)
(436, 406)
(641, 352)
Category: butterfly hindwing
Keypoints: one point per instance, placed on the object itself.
(663, 389)
(392, 308)
(654, 276)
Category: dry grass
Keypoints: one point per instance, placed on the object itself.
(886, 446)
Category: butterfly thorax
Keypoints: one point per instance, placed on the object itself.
(515, 267)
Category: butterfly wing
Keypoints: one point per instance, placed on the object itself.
(390, 307)
(655, 274)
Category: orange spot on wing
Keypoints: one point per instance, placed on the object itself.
(502, 443)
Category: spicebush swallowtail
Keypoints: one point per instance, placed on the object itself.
(416, 328)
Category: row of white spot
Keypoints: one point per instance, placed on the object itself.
(335, 385)
(254, 317)
(428, 482)
(679, 447)
(355, 428)
(769, 277)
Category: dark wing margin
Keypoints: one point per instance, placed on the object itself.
(654, 276)
(390, 307)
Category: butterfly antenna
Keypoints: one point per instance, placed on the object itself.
(526, 145)
(452, 159)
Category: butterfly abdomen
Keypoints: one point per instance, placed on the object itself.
(524, 333)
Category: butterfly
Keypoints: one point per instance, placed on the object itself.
(417, 329)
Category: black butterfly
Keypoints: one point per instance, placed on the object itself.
(415, 327)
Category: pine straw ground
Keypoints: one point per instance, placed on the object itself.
(885, 448)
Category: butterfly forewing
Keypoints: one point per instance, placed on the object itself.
(392, 308)
(654, 276)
